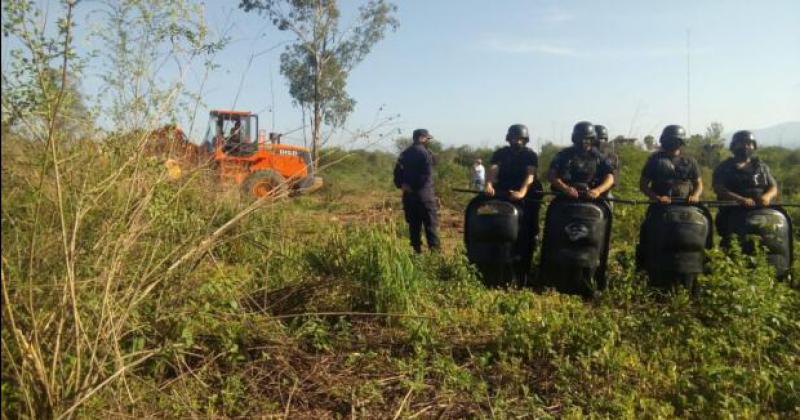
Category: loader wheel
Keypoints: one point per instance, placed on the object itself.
(262, 183)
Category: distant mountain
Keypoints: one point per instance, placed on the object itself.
(785, 134)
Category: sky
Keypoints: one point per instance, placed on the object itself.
(467, 69)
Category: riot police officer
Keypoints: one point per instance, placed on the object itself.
(670, 176)
(744, 178)
(413, 173)
(581, 170)
(512, 177)
(577, 225)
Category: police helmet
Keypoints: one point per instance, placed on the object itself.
(583, 130)
(743, 136)
(602, 133)
(673, 132)
(517, 131)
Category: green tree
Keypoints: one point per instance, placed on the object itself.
(40, 85)
(649, 142)
(709, 148)
(26, 110)
(319, 60)
(714, 133)
(401, 143)
(142, 41)
(549, 151)
(621, 140)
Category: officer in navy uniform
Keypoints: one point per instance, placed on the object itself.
(413, 173)
(512, 177)
(581, 170)
(667, 175)
(744, 178)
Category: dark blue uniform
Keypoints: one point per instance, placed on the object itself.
(671, 176)
(581, 170)
(512, 167)
(415, 168)
(751, 180)
(512, 170)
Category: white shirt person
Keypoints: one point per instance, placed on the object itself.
(478, 180)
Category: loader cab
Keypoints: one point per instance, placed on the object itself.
(236, 132)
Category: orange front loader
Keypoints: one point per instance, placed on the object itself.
(261, 167)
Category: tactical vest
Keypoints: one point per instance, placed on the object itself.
(752, 181)
(581, 171)
(673, 176)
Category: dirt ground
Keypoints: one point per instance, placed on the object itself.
(375, 208)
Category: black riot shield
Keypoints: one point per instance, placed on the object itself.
(491, 228)
(673, 243)
(575, 246)
(771, 226)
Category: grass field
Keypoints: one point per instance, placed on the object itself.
(126, 294)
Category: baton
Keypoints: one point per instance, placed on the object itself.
(467, 190)
(710, 203)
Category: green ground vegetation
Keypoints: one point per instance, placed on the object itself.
(126, 293)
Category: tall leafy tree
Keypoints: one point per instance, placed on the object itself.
(708, 149)
(649, 142)
(141, 43)
(322, 54)
(40, 94)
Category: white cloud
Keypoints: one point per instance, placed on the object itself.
(526, 46)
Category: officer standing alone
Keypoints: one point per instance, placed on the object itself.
(512, 177)
(413, 174)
